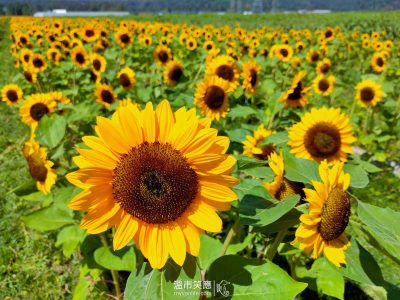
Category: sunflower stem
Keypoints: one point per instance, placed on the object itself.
(274, 247)
(232, 232)
(114, 274)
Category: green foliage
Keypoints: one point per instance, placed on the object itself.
(51, 130)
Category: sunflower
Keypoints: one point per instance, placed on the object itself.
(323, 66)
(158, 177)
(324, 85)
(11, 94)
(127, 78)
(208, 45)
(378, 62)
(162, 55)
(30, 75)
(54, 55)
(79, 57)
(295, 96)
(58, 97)
(283, 52)
(35, 107)
(39, 167)
(99, 63)
(251, 145)
(250, 76)
(123, 37)
(173, 72)
(281, 187)
(212, 97)
(25, 56)
(191, 43)
(224, 67)
(322, 229)
(322, 133)
(368, 93)
(89, 33)
(105, 94)
(313, 56)
(38, 63)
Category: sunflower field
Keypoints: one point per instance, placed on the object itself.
(200, 157)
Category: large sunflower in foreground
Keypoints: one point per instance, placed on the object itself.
(368, 93)
(295, 96)
(39, 167)
(35, 107)
(281, 187)
(158, 177)
(251, 145)
(323, 133)
(11, 94)
(322, 229)
(212, 97)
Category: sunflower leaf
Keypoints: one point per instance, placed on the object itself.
(358, 176)
(51, 130)
(241, 111)
(121, 260)
(329, 280)
(300, 170)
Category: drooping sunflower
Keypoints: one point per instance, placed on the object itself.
(251, 145)
(105, 94)
(162, 55)
(212, 97)
(11, 94)
(324, 85)
(295, 96)
(39, 167)
(99, 63)
(79, 56)
(378, 62)
(226, 68)
(368, 93)
(250, 76)
(322, 229)
(281, 187)
(127, 78)
(158, 177)
(173, 72)
(38, 63)
(35, 107)
(323, 133)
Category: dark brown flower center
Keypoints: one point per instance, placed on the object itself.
(89, 32)
(253, 77)
(380, 62)
(12, 95)
(125, 38)
(284, 52)
(322, 140)
(38, 62)
(124, 80)
(38, 110)
(314, 56)
(266, 151)
(328, 33)
(175, 74)
(325, 68)
(27, 58)
(37, 169)
(154, 183)
(163, 56)
(107, 96)
(28, 76)
(209, 47)
(296, 94)
(97, 64)
(323, 85)
(367, 94)
(214, 97)
(288, 188)
(80, 58)
(335, 214)
(225, 72)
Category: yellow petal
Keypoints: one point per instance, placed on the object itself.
(149, 123)
(125, 231)
(204, 217)
(165, 119)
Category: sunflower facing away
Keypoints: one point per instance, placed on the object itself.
(158, 177)
(39, 167)
(281, 187)
(250, 76)
(127, 78)
(251, 145)
(11, 94)
(173, 72)
(322, 133)
(295, 96)
(35, 107)
(322, 229)
(368, 93)
(105, 94)
(212, 97)
(225, 68)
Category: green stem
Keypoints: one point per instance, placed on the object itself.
(274, 247)
(232, 232)
(114, 274)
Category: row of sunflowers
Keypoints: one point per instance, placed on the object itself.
(202, 153)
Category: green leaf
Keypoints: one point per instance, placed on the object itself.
(383, 224)
(69, 238)
(261, 172)
(329, 280)
(209, 250)
(51, 130)
(238, 134)
(234, 248)
(277, 138)
(48, 218)
(300, 170)
(149, 284)
(260, 212)
(237, 277)
(240, 111)
(121, 260)
(358, 176)
(245, 162)
(81, 289)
